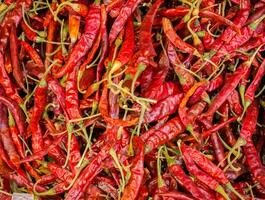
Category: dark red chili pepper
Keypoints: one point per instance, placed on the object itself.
(71, 94)
(49, 46)
(103, 107)
(31, 35)
(120, 21)
(16, 112)
(234, 102)
(104, 43)
(40, 99)
(250, 93)
(218, 127)
(137, 172)
(17, 72)
(22, 181)
(176, 40)
(163, 108)
(7, 84)
(202, 176)
(12, 17)
(185, 78)
(6, 140)
(178, 173)
(252, 158)
(225, 91)
(32, 54)
(56, 153)
(85, 42)
(88, 174)
(145, 35)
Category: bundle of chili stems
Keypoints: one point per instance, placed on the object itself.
(131, 99)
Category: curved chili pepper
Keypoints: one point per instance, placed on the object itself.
(163, 108)
(6, 138)
(31, 35)
(186, 79)
(105, 43)
(7, 84)
(176, 40)
(16, 112)
(137, 172)
(103, 107)
(228, 87)
(32, 53)
(85, 42)
(56, 153)
(202, 176)
(145, 35)
(252, 158)
(120, 21)
(250, 93)
(175, 195)
(88, 174)
(186, 181)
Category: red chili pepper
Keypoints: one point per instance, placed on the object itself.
(6, 138)
(31, 35)
(163, 108)
(137, 172)
(71, 96)
(85, 42)
(104, 43)
(200, 175)
(185, 78)
(175, 195)
(32, 54)
(120, 21)
(176, 40)
(56, 153)
(250, 93)
(40, 99)
(49, 46)
(177, 172)
(60, 172)
(234, 102)
(252, 158)
(17, 72)
(16, 112)
(87, 175)
(145, 35)
(228, 87)
(7, 84)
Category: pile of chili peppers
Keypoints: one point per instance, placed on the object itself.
(131, 99)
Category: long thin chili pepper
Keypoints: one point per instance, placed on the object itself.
(145, 40)
(137, 172)
(17, 72)
(120, 21)
(246, 132)
(85, 42)
(176, 40)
